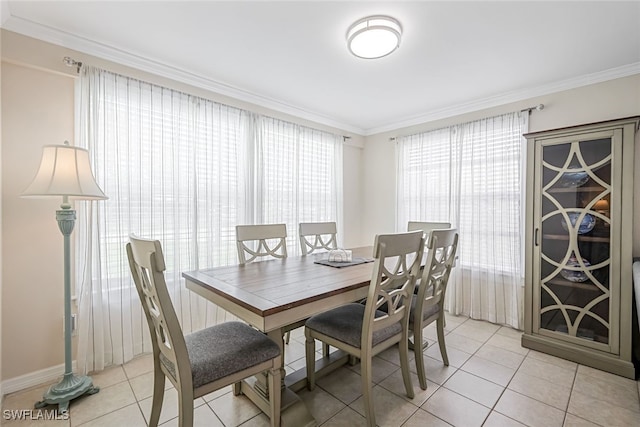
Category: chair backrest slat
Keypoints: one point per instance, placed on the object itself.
(316, 236)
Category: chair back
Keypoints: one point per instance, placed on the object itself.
(427, 226)
(147, 265)
(397, 264)
(441, 254)
(256, 241)
(316, 236)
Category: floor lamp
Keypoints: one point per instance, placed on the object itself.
(65, 171)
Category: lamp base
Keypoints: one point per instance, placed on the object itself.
(70, 387)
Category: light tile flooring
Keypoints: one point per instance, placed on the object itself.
(491, 381)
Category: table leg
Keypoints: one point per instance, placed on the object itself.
(294, 413)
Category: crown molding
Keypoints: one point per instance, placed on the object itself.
(110, 53)
(509, 97)
(75, 42)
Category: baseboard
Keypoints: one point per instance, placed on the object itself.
(32, 379)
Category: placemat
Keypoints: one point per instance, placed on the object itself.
(354, 261)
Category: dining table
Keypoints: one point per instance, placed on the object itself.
(277, 295)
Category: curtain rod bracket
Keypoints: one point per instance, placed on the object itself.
(70, 62)
(538, 107)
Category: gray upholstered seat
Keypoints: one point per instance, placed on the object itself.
(201, 362)
(428, 304)
(426, 313)
(222, 350)
(364, 330)
(345, 324)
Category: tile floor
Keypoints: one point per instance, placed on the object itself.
(491, 381)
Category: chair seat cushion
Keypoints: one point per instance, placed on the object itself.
(224, 349)
(426, 313)
(345, 324)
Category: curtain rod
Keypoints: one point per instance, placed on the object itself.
(538, 107)
(70, 62)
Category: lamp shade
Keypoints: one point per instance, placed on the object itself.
(65, 171)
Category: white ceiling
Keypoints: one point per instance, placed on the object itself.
(291, 56)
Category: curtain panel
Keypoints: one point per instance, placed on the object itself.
(183, 170)
(472, 175)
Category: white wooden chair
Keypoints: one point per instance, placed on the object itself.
(262, 241)
(204, 361)
(428, 304)
(317, 236)
(259, 241)
(364, 330)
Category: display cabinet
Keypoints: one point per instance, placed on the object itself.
(578, 281)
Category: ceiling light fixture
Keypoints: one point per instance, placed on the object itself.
(374, 36)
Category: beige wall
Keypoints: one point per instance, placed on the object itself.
(603, 101)
(37, 109)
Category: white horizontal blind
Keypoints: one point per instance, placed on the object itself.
(424, 178)
(490, 193)
(183, 170)
(471, 175)
(297, 177)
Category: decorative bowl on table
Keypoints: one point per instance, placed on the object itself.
(340, 255)
(573, 179)
(574, 275)
(586, 225)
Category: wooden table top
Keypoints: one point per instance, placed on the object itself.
(269, 287)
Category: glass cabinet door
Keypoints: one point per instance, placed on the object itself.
(573, 239)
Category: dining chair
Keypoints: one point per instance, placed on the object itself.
(259, 241)
(364, 330)
(317, 236)
(204, 361)
(428, 304)
(262, 241)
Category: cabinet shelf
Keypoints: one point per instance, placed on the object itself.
(599, 239)
(575, 285)
(590, 189)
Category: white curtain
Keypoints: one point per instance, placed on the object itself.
(472, 176)
(178, 168)
(300, 177)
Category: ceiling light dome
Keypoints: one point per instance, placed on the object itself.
(374, 36)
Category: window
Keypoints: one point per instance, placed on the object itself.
(298, 177)
(184, 170)
(469, 175)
